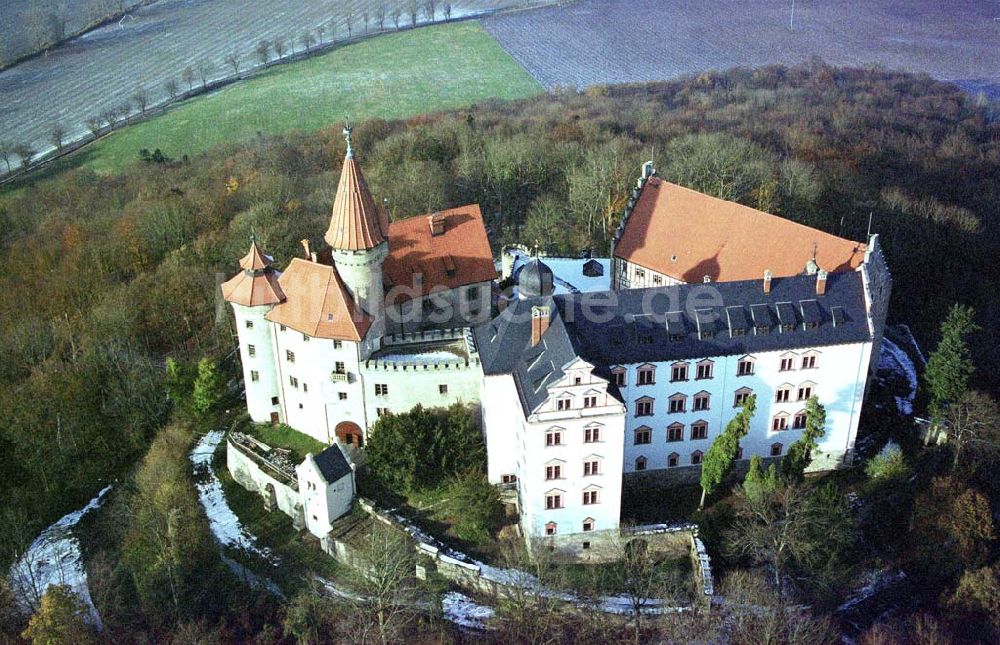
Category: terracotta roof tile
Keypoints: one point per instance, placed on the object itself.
(318, 304)
(687, 235)
(257, 284)
(460, 255)
(356, 222)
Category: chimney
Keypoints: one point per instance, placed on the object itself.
(305, 245)
(767, 281)
(648, 170)
(539, 323)
(821, 282)
(437, 223)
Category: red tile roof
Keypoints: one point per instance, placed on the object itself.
(257, 284)
(356, 223)
(687, 235)
(459, 256)
(318, 303)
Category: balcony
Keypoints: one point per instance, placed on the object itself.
(340, 377)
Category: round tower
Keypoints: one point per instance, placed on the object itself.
(358, 237)
(253, 292)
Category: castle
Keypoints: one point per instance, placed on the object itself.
(710, 302)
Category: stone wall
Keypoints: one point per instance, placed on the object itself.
(256, 477)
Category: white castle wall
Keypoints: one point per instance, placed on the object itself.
(249, 474)
(261, 391)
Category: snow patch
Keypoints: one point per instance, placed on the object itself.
(54, 558)
(877, 581)
(223, 521)
(567, 273)
(461, 610)
(894, 360)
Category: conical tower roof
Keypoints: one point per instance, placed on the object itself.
(255, 260)
(356, 223)
(257, 284)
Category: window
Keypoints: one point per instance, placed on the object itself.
(745, 367)
(339, 367)
(699, 430)
(305, 387)
(673, 459)
(592, 434)
(585, 545)
(251, 350)
(305, 339)
(590, 497)
(787, 364)
(337, 344)
(776, 449)
(679, 372)
(590, 401)
(553, 472)
(640, 273)
(442, 388)
(294, 382)
(283, 328)
(289, 356)
(553, 500)
(644, 407)
(508, 479)
(741, 396)
(779, 422)
(618, 376)
(342, 396)
(300, 406)
(675, 432)
(643, 434)
(550, 528)
(553, 438)
(799, 421)
(640, 463)
(678, 403)
(588, 525)
(591, 467)
(254, 375)
(564, 403)
(645, 375)
(381, 412)
(782, 393)
(249, 324)
(701, 401)
(705, 370)
(472, 293)
(274, 400)
(805, 392)
(809, 362)
(381, 389)
(577, 380)
(696, 457)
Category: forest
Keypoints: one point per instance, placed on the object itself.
(106, 276)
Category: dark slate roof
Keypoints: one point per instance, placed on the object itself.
(670, 323)
(332, 464)
(535, 279)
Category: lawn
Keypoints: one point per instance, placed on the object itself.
(391, 76)
(282, 436)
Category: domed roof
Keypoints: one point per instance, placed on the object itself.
(535, 279)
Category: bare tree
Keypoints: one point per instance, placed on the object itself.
(395, 17)
(141, 99)
(447, 11)
(45, 28)
(756, 613)
(279, 46)
(263, 51)
(525, 612)
(413, 7)
(307, 39)
(973, 424)
(389, 589)
(365, 17)
(94, 125)
(204, 69)
(188, 76)
(125, 109)
(430, 9)
(348, 19)
(5, 152)
(172, 88)
(380, 15)
(320, 30)
(234, 60)
(25, 152)
(643, 578)
(110, 117)
(57, 134)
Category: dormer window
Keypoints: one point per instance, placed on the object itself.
(590, 401)
(564, 403)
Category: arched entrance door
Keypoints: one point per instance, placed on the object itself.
(349, 434)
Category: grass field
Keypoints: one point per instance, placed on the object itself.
(392, 76)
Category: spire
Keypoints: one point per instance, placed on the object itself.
(356, 222)
(257, 283)
(255, 259)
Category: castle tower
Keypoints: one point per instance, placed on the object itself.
(358, 236)
(253, 292)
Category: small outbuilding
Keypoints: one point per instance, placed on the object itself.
(593, 269)
(327, 487)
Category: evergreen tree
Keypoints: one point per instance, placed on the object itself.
(950, 366)
(59, 619)
(799, 455)
(178, 383)
(720, 456)
(759, 484)
(207, 386)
